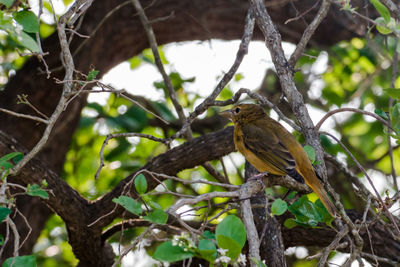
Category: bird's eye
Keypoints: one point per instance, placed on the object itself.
(237, 110)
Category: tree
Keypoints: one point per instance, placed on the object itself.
(119, 31)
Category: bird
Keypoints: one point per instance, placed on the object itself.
(270, 148)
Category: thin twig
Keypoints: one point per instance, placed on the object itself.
(226, 178)
(248, 221)
(380, 259)
(262, 99)
(309, 31)
(392, 84)
(20, 115)
(124, 94)
(117, 135)
(37, 35)
(213, 172)
(392, 7)
(332, 246)
(299, 16)
(6, 239)
(68, 64)
(216, 216)
(387, 212)
(157, 59)
(242, 51)
(16, 235)
(330, 113)
(353, 178)
(77, 33)
(27, 225)
(24, 100)
(183, 181)
(133, 245)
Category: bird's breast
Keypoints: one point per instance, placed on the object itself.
(258, 163)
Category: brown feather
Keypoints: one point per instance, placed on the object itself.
(269, 147)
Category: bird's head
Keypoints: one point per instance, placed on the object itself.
(244, 113)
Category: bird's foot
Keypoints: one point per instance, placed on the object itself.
(258, 176)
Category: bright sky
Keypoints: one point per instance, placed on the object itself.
(204, 60)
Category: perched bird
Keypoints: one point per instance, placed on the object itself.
(269, 147)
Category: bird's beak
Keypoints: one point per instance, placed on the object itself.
(227, 114)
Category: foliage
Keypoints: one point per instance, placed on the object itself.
(358, 74)
(230, 237)
(308, 213)
(28, 261)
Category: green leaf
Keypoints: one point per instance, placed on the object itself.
(290, 223)
(92, 74)
(315, 163)
(231, 245)
(381, 113)
(291, 195)
(28, 21)
(209, 235)
(167, 252)
(392, 92)
(140, 184)
(278, 207)
(238, 77)
(308, 213)
(14, 156)
(36, 191)
(96, 106)
(4, 174)
(4, 212)
(26, 261)
(310, 152)
(11, 156)
(134, 62)
(67, 2)
(231, 235)
(395, 118)
(157, 216)
(258, 262)
(5, 166)
(149, 201)
(27, 41)
(207, 250)
(1, 239)
(164, 111)
(129, 204)
(382, 26)
(17, 158)
(382, 9)
(7, 3)
(327, 218)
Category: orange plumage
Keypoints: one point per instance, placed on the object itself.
(269, 147)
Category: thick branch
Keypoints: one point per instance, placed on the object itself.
(382, 242)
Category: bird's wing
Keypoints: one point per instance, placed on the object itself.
(265, 144)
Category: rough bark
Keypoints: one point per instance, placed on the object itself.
(382, 242)
(269, 229)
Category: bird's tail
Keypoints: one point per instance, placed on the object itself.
(321, 193)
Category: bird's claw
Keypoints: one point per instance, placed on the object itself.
(258, 177)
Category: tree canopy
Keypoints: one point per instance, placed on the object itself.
(85, 184)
